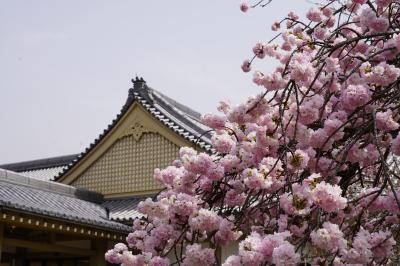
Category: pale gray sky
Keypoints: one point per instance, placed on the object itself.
(65, 66)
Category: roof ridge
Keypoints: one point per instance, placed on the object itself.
(37, 164)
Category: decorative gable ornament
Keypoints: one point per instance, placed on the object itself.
(136, 130)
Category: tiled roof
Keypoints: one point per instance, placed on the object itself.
(181, 119)
(124, 210)
(54, 200)
(46, 174)
(42, 169)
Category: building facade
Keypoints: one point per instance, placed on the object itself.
(69, 210)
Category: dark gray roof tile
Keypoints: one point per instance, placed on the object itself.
(47, 198)
(124, 210)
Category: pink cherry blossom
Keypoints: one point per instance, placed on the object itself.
(298, 160)
(275, 26)
(385, 121)
(382, 244)
(285, 255)
(328, 197)
(361, 248)
(320, 33)
(328, 12)
(204, 220)
(232, 261)
(302, 172)
(113, 257)
(223, 143)
(355, 96)
(214, 121)
(198, 256)
(158, 261)
(329, 238)
(314, 14)
(128, 259)
(246, 66)
(259, 50)
(244, 7)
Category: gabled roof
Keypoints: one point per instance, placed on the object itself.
(54, 200)
(179, 118)
(42, 169)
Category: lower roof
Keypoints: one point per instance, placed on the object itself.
(125, 209)
(53, 200)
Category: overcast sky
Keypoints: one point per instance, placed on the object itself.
(66, 66)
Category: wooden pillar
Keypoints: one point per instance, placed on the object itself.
(20, 259)
(99, 246)
(1, 239)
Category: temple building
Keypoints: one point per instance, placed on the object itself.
(69, 210)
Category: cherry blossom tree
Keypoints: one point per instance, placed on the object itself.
(305, 173)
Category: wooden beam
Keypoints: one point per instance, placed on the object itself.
(58, 226)
(47, 247)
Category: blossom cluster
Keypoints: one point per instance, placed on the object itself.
(305, 171)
